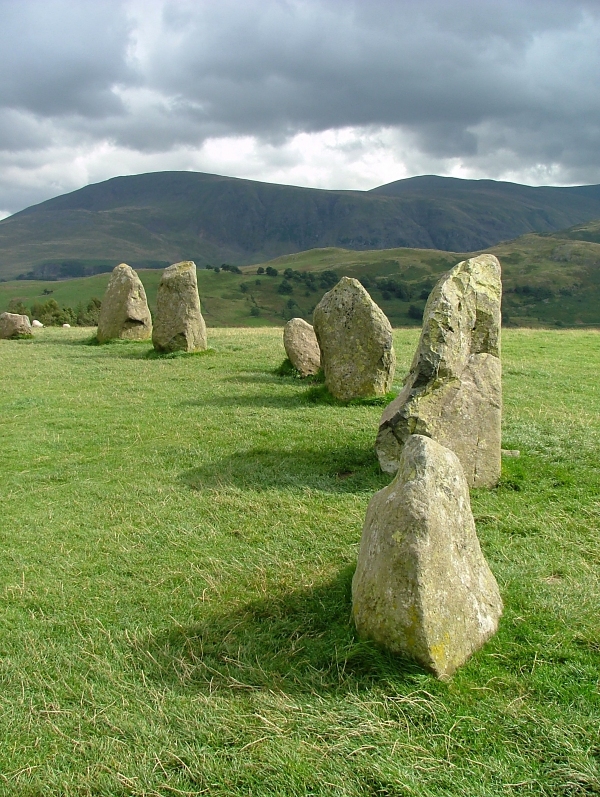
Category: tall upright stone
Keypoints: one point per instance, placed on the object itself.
(422, 587)
(178, 321)
(355, 338)
(124, 312)
(301, 346)
(453, 392)
(15, 325)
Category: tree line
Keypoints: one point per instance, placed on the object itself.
(50, 314)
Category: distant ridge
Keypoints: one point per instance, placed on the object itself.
(455, 188)
(156, 218)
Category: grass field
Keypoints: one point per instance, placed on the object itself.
(178, 539)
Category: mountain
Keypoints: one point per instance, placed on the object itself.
(151, 220)
(494, 211)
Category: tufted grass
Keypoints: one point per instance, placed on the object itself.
(177, 542)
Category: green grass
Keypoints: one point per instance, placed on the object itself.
(319, 394)
(177, 543)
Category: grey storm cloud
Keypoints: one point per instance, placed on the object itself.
(61, 58)
(437, 68)
(503, 85)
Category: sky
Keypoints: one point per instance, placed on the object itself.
(346, 94)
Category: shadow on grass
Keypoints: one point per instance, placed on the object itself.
(254, 401)
(319, 394)
(132, 349)
(152, 354)
(64, 341)
(302, 640)
(350, 469)
(286, 369)
(259, 377)
(310, 396)
(141, 350)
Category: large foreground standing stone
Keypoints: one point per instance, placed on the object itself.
(355, 338)
(422, 587)
(301, 346)
(178, 323)
(453, 392)
(124, 311)
(14, 325)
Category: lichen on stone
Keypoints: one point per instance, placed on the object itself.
(355, 338)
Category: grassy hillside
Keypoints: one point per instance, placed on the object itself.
(178, 538)
(584, 232)
(170, 216)
(549, 280)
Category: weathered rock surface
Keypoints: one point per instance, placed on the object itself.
(453, 392)
(422, 587)
(36, 323)
(124, 311)
(14, 325)
(301, 346)
(355, 338)
(178, 324)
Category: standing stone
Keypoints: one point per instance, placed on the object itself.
(355, 338)
(301, 346)
(453, 392)
(422, 587)
(124, 311)
(37, 324)
(178, 324)
(15, 325)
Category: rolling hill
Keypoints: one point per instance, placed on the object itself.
(151, 220)
(549, 280)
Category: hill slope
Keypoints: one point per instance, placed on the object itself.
(156, 219)
(548, 280)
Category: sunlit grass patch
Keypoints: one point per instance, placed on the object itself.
(177, 545)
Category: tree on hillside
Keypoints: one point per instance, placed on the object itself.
(51, 315)
(17, 306)
(415, 312)
(285, 287)
(327, 279)
(88, 316)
